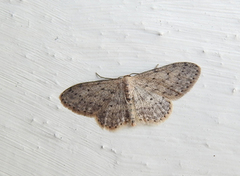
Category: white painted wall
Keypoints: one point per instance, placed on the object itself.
(48, 46)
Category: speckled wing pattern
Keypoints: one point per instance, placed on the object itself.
(101, 99)
(170, 81)
(155, 88)
(150, 107)
(144, 97)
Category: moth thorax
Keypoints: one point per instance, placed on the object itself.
(127, 88)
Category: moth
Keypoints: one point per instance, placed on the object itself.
(145, 97)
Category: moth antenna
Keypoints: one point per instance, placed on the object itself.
(133, 74)
(103, 77)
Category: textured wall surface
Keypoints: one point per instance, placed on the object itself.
(48, 46)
